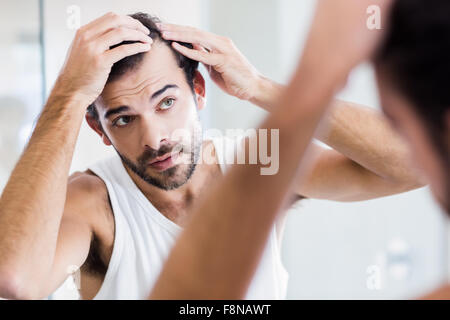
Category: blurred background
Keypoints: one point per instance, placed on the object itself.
(391, 248)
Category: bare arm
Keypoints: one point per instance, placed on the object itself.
(217, 254)
(367, 160)
(34, 199)
(211, 250)
(442, 293)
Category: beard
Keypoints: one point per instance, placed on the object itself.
(175, 176)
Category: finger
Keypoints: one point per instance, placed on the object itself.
(120, 52)
(136, 24)
(118, 35)
(95, 22)
(201, 48)
(110, 21)
(191, 35)
(198, 55)
(208, 67)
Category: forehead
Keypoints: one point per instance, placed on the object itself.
(157, 69)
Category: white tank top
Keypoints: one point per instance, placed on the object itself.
(144, 238)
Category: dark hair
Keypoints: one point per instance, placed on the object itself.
(129, 63)
(415, 55)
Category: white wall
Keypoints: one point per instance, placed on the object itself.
(20, 78)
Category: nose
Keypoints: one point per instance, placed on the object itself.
(153, 134)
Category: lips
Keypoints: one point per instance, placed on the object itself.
(160, 159)
(164, 162)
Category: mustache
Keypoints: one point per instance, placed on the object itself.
(150, 154)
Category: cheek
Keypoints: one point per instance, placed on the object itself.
(123, 142)
(187, 129)
(184, 118)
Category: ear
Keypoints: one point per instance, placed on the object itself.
(96, 126)
(199, 88)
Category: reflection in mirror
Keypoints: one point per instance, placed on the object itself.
(389, 248)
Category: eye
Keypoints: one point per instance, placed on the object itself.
(167, 104)
(122, 121)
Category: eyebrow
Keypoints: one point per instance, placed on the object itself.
(120, 109)
(161, 91)
(114, 111)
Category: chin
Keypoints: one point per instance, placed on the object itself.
(172, 178)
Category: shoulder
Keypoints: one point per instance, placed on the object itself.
(86, 180)
(443, 293)
(85, 185)
(86, 194)
(88, 202)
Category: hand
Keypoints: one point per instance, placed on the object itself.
(226, 65)
(90, 58)
(339, 37)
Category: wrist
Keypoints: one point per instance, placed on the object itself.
(68, 99)
(69, 96)
(265, 93)
(63, 113)
(76, 102)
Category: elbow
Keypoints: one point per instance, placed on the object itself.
(416, 185)
(406, 180)
(9, 287)
(411, 183)
(14, 287)
(406, 185)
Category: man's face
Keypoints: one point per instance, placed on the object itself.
(424, 153)
(150, 117)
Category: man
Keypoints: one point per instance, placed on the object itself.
(412, 68)
(119, 219)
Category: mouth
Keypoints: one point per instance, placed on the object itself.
(164, 162)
